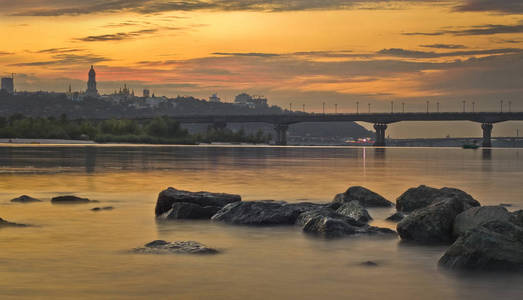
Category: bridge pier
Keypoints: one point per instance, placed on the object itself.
(281, 134)
(380, 134)
(487, 134)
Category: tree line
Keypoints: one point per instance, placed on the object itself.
(160, 130)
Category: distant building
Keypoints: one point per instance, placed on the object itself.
(146, 93)
(8, 85)
(250, 101)
(91, 84)
(215, 99)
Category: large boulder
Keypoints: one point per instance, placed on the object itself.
(185, 210)
(367, 198)
(354, 210)
(70, 200)
(168, 197)
(330, 227)
(25, 199)
(423, 196)
(181, 247)
(474, 217)
(4, 223)
(517, 218)
(325, 213)
(432, 224)
(495, 245)
(265, 212)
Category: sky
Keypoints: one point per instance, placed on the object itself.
(389, 54)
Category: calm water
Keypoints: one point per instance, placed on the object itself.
(73, 252)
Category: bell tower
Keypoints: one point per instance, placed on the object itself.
(91, 84)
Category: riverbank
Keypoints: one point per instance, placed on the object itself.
(46, 142)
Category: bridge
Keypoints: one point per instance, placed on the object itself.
(381, 121)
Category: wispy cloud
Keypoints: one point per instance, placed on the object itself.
(489, 29)
(501, 6)
(120, 36)
(444, 46)
(65, 59)
(398, 52)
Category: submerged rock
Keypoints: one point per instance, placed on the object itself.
(474, 217)
(25, 199)
(329, 227)
(423, 196)
(168, 197)
(102, 208)
(397, 217)
(307, 216)
(354, 210)
(495, 245)
(69, 200)
(4, 223)
(185, 210)
(365, 197)
(265, 212)
(369, 264)
(181, 247)
(432, 224)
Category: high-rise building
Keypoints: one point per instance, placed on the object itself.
(214, 98)
(146, 93)
(8, 85)
(91, 84)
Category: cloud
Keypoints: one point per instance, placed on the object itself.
(120, 36)
(5, 53)
(252, 54)
(65, 59)
(501, 6)
(398, 52)
(489, 29)
(444, 46)
(58, 50)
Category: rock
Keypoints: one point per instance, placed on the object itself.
(102, 208)
(517, 218)
(168, 197)
(182, 247)
(367, 198)
(354, 210)
(325, 212)
(69, 200)
(506, 204)
(369, 264)
(476, 216)
(329, 227)
(493, 246)
(423, 196)
(4, 223)
(25, 199)
(432, 224)
(265, 212)
(185, 210)
(397, 217)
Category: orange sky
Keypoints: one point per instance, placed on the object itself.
(300, 51)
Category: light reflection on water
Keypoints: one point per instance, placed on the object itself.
(76, 253)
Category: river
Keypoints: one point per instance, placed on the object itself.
(72, 252)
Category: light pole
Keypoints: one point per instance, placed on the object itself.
(357, 107)
(323, 107)
(427, 106)
(290, 106)
(510, 106)
(369, 108)
(437, 107)
(473, 106)
(464, 105)
(501, 105)
(391, 107)
(403, 107)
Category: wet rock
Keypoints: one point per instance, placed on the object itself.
(493, 246)
(369, 264)
(367, 198)
(476, 216)
(102, 208)
(325, 212)
(168, 197)
(265, 212)
(185, 210)
(329, 227)
(181, 247)
(69, 200)
(423, 196)
(397, 217)
(517, 218)
(25, 199)
(506, 204)
(4, 223)
(354, 210)
(432, 224)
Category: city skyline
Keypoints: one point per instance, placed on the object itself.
(305, 52)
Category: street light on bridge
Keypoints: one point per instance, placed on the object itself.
(437, 107)
(403, 107)
(290, 106)
(464, 105)
(323, 107)
(369, 108)
(501, 105)
(357, 107)
(391, 107)
(473, 106)
(428, 106)
(510, 106)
